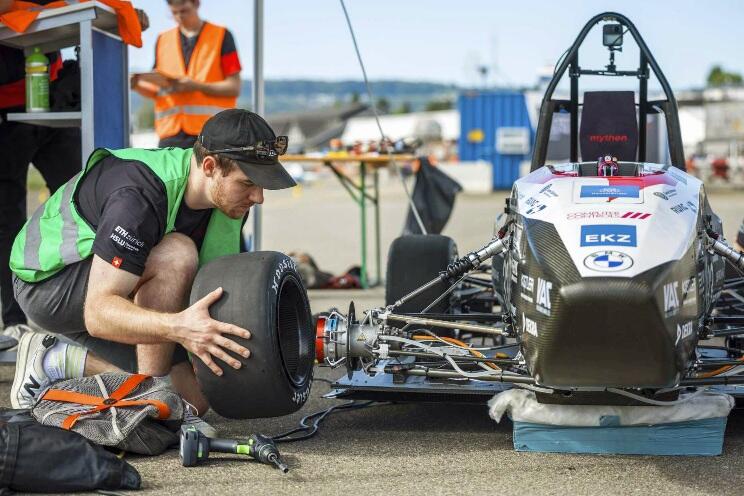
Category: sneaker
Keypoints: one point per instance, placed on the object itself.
(191, 420)
(30, 378)
(11, 335)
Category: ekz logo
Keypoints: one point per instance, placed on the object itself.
(608, 235)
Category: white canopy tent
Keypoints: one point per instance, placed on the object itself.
(403, 126)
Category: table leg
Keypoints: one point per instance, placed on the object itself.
(347, 183)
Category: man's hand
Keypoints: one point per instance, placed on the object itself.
(230, 86)
(202, 335)
(134, 81)
(185, 84)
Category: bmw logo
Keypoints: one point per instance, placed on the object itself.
(608, 261)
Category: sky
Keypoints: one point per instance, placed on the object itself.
(445, 40)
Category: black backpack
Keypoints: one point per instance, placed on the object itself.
(65, 90)
(38, 458)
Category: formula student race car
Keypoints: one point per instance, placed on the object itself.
(602, 279)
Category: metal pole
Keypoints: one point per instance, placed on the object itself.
(642, 107)
(574, 108)
(258, 97)
(87, 121)
(376, 176)
(363, 205)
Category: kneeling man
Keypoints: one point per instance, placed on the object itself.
(108, 261)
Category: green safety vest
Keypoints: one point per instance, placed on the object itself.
(57, 236)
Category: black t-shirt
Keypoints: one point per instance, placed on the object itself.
(188, 43)
(126, 205)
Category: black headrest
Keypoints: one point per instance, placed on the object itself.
(609, 125)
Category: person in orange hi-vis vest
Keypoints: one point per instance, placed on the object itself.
(55, 152)
(201, 72)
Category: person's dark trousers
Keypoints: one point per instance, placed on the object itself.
(180, 140)
(56, 153)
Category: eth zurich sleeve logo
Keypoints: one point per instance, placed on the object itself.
(608, 261)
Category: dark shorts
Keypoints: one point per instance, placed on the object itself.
(57, 305)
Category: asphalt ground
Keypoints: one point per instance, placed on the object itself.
(417, 448)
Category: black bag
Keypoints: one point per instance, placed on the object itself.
(64, 92)
(434, 196)
(38, 458)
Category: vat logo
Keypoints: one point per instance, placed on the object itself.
(543, 296)
(671, 299)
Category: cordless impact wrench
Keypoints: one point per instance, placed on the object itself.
(195, 447)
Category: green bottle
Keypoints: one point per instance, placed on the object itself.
(37, 82)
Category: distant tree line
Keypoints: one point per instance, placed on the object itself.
(384, 106)
(718, 76)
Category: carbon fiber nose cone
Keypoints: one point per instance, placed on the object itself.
(602, 331)
(596, 338)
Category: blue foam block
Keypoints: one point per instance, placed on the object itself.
(695, 437)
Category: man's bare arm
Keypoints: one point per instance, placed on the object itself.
(143, 88)
(110, 315)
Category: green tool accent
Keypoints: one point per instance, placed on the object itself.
(243, 449)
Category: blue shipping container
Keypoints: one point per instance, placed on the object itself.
(495, 126)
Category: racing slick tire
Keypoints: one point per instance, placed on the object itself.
(263, 293)
(414, 260)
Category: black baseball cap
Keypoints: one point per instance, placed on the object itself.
(248, 139)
